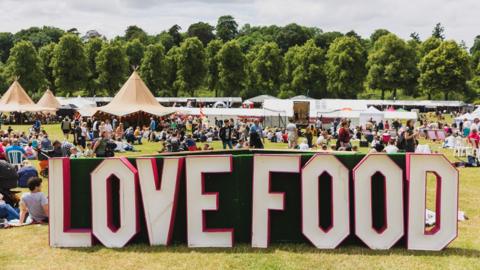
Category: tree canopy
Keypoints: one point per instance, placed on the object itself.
(445, 69)
(25, 65)
(345, 68)
(228, 59)
(391, 65)
(69, 64)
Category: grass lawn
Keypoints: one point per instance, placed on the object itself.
(27, 247)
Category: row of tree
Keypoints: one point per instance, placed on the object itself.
(227, 61)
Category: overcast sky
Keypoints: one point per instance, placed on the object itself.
(111, 17)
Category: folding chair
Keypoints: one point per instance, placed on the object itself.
(441, 135)
(15, 157)
(432, 134)
(460, 149)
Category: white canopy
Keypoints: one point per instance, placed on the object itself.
(400, 115)
(79, 102)
(469, 116)
(477, 111)
(259, 99)
(371, 113)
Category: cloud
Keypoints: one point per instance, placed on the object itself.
(111, 17)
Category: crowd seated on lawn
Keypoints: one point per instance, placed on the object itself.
(103, 137)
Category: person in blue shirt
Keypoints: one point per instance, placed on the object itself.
(153, 128)
(37, 125)
(256, 135)
(15, 146)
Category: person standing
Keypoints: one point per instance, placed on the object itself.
(84, 134)
(318, 125)
(396, 125)
(226, 134)
(78, 138)
(37, 125)
(343, 141)
(474, 138)
(410, 137)
(114, 123)
(95, 128)
(292, 134)
(66, 127)
(309, 136)
(119, 132)
(152, 127)
(108, 128)
(256, 135)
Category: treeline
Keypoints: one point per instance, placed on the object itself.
(225, 60)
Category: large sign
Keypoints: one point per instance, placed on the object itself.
(254, 197)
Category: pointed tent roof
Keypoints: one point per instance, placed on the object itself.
(49, 100)
(134, 96)
(261, 98)
(373, 110)
(16, 95)
(16, 99)
(300, 97)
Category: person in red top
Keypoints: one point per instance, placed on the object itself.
(474, 138)
(386, 126)
(3, 146)
(343, 142)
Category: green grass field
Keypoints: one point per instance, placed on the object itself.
(27, 247)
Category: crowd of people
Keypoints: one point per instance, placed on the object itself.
(94, 137)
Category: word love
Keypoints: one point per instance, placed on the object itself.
(141, 186)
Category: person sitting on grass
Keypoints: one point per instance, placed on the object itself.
(75, 153)
(190, 143)
(391, 148)
(35, 203)
(88, 152)
(100, 146)
(206, 147)
(303, 145)
(7, 211)
(239, 144)
(30, 151)
(449, 141)
(46, 143)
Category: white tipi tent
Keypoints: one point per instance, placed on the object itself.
(49, 100)
(16, 99)
(134, 97)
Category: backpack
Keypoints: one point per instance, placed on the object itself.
(401, 141)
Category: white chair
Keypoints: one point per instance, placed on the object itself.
(423, 149)
(462, 149)
(457, 148)
(15, 157)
